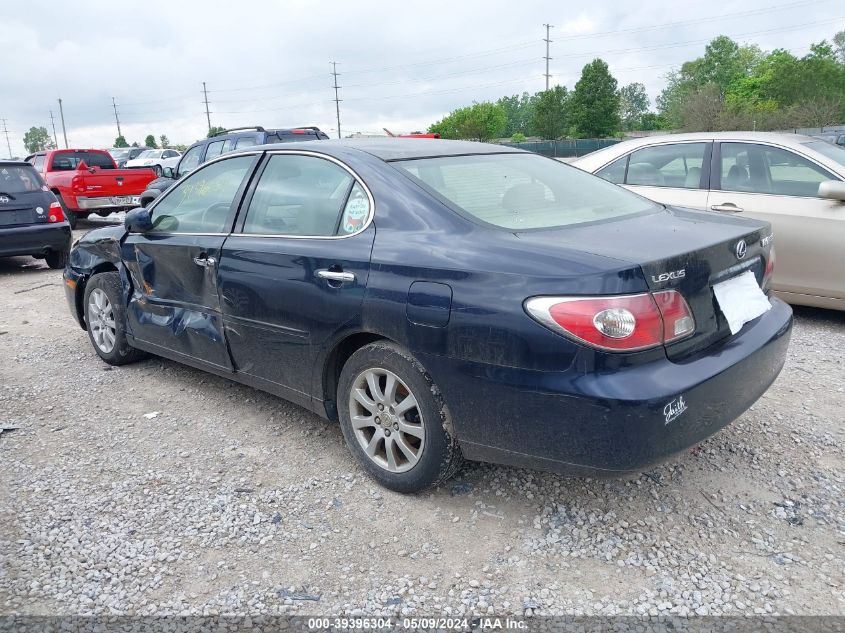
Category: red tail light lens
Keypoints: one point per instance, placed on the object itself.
(56, 214)
(623, 323)
(770, 268)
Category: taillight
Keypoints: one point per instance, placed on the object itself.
(770, 268)
(618, 323)
(56, 214)
(77, 185)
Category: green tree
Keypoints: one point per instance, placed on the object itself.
(214, 129)
(633, 104)
(595, 102)
(165, 142)
(551, 117)
(839, 45)
(480, 121)
(519, 110)
(517, 137)
(37, 139)
(150, 141)
(120, 141)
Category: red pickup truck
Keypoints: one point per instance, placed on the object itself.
(87, 181)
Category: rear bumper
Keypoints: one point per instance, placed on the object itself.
(106, 202)
(616, 421)
(34, 239)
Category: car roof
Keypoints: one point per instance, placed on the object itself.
(393, 148)
(14, 163)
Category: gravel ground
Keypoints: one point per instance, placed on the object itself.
(155, 488)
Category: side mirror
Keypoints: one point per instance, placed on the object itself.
(168, 172)
(832, 190)
(138, 220)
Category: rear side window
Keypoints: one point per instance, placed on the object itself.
(245, 141)
(214, 149)
(678, 165)
(306, 196)
(524, 191)
(615, 172)
(19, 179)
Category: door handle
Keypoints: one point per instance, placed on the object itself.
(332, 275)
(730, 207)
(205, 261)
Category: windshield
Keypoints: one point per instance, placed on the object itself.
(150, 153)
(834, 152)
(18, 179)
(119, 154)
(524, 191)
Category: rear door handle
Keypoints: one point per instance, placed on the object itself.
(332, 275)
(727, 206)
(205, 261)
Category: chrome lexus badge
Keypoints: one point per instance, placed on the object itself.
(741, 249)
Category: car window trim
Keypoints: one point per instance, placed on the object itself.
(706, 159)
(244, 208)
(236, 201)
(716, 180)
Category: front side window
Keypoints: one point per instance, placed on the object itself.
(523, 191)
(191, 160)
(201, 202)
(38, 163)
(770, 170)
(678, 165)
(306, 196)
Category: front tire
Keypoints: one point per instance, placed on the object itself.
(394, 419)
(105, 319)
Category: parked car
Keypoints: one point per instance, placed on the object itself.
(31, 218)
(797, 183)
(121, 155)
(445, 299)
(154, 159)
(222, 143)
(87, 181)
(836, 139)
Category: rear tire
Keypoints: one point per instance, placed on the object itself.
(394, 419)
(105, 320)
(56, 259)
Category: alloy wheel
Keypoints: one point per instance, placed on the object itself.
(101, 320)
(386, 420)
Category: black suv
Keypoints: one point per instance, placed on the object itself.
(31, 219)
(222, 142)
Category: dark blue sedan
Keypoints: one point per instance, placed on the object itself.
(446, 300)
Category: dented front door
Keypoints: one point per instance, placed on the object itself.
(175, 304)
(174, 307)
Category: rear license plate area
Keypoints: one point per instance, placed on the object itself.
(740, 300)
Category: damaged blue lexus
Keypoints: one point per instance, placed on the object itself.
(445, 300)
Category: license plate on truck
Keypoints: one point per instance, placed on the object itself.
(741, 300)
(126, 200)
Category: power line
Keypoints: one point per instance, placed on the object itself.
(547, 58)
(116, 118)
(207, 113)
(53, 123)
(62, 116)
(336, 99)
(8, 143)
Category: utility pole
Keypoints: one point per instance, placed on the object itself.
(207, 113)
(117, 120)
(547, 58)
(62, 116)
(336, 99)
(6, 131)
(53, 123)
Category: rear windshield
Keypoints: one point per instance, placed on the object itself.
(834, 152)
(19, 179)
(119, 154)
(68, 161)
(150, 153)
(524, 191)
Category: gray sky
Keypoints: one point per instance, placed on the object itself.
(404, 64)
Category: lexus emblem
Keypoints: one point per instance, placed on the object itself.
(3, 199)
(741, 249)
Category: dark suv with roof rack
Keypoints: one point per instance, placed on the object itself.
(222, 142)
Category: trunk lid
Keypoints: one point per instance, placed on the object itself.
(679, 249)
(112, 182)
(22, 208)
